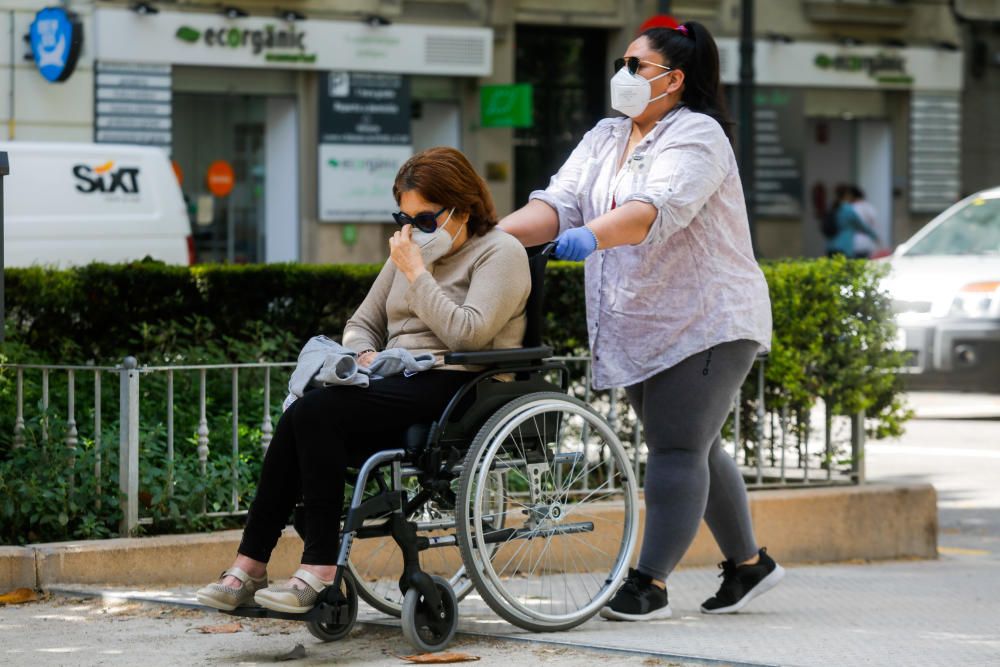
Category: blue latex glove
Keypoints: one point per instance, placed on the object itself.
(575, 244)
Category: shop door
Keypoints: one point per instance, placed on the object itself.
(569, 73)
(875, 173)
(228, 128)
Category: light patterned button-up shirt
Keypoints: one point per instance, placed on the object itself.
(693, 282)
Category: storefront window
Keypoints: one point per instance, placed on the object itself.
(227, 128)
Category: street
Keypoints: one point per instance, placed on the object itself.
(954, 444)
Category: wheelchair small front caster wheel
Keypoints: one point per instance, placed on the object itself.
(344, 610)
(430, 629)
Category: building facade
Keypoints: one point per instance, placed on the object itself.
(304, 113)
(979, 22)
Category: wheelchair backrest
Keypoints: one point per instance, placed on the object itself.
(534, 310)
(488, 396)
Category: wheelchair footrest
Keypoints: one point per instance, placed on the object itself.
(323, 613)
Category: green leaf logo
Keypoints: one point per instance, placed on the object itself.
(334, 163)
(823, 61)
(186, 34)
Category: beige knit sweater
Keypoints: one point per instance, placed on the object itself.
(473, 299)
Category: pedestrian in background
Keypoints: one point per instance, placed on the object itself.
(846, 223)
(864, 245)
(677, 307)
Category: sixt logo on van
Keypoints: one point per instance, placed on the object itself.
(105, 178)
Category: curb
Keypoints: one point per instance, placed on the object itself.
(17, 568)
(822, 525)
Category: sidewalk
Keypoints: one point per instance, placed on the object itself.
(909, 613)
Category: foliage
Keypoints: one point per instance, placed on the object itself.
(833, 340)
(48, 495)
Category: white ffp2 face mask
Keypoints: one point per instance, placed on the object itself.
(630, 94)
(434, 245)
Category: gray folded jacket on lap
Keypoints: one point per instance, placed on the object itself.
(324, 362)
(398, 360)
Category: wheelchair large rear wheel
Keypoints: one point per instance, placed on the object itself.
(558, 545)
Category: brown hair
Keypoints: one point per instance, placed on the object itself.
(444, 176)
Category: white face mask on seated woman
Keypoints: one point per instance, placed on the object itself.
(435, 245)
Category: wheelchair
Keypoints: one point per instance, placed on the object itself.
(516, 476)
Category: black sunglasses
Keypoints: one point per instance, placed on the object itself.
(425, 222)
(633, 62)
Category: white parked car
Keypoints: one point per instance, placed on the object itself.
(945, 286)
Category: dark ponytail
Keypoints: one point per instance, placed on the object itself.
(691, 48)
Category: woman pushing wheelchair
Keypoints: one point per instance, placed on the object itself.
(452, 283)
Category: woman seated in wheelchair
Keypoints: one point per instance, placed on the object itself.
(452, 282)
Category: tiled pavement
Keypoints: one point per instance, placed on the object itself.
(944, 612)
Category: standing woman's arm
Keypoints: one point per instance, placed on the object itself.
(682, 178)
(533, 224)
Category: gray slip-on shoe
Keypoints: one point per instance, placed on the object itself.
(228, 598)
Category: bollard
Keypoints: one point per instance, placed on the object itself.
(858, 447)
(128, 451)
(4, 171)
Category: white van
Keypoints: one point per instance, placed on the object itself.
(75, 203)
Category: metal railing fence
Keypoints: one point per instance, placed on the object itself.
(219, 445)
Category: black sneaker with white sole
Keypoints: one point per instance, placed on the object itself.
(742, 583)
(639, 599)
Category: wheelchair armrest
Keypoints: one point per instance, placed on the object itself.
(512, 357)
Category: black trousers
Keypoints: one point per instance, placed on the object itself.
(318, 437)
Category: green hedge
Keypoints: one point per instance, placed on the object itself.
(833, 339)
(104, 312)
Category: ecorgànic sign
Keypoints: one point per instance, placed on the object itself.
(882, 67)
(56, 39)
(187, 38)
(272, 43)
(355, 181)
(826, 65)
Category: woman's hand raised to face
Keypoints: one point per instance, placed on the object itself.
(405, 254)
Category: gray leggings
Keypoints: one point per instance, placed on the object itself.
(688, 475)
